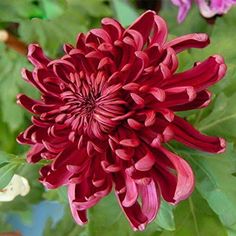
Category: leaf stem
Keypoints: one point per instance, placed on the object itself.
(198, 118)
(12, 42)
(194, 216)
(217, 122)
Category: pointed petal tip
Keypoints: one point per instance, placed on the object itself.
(191, 93)
(141, 227)
(18, 96)
(222, 145)
(208, 100)
(32, 47)
(219, 59)
(20, 138)
(201, 37)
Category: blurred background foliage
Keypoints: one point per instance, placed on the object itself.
(211, 210)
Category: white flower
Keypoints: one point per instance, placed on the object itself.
(17, 186)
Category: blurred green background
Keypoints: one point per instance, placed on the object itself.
(211, 210)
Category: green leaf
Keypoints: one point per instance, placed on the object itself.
(15, 10)
(125, 13)
(92, 8)
(51, 34)
(6, 174)
(4, 158)
(107, 218)
(165, 217)
(194, 217)
(10, 85)
(216, 182)
(53, 8)
(8, 165)
(221, 121)
(59, 194)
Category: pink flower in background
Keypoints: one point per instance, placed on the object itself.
(106, 109)
(208, 9)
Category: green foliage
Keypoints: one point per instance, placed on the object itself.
(221, 120)
(59, 194)
(63, 25)
(194, 217)
(10, 85)
(125, 13)
(215, 182)
(8, 165)
(106, 219)
(211, 209)
(165, 217)
(15, 10)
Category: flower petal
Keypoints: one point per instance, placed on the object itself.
(36, 56)
(150, 200)
(143, 24)
(188, 41)
(185, 133)
(174, 188)
(79, 216)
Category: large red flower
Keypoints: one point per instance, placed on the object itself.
(106, 109)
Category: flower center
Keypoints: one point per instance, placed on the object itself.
(93, 105)
(86, 105)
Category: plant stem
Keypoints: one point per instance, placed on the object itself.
(12, 42)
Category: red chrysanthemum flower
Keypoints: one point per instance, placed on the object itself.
(106, 109)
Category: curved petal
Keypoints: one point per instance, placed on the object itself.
(36, 56)
(143, 24)
(160, 31)
(131, 194)
(79, 216)
(52, 179)
(185, 133)
(150, 200)
(202, 99)
(188, 41)
(184, 7)
(174, 176)
(201, 76)
(26, 102)
(113, 28)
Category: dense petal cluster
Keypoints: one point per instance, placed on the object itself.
(106, 109)
(207, 8)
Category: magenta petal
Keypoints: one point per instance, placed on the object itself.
(184, 7)
(160, 31)
(79, 216)
(113, 28)
(150, 200)
(36, 56)
(131, 194)
(54, 179)
(134, 214)
(185, 177)
(26, 102)
(202, 99)
(34, 155)
(143, 24)
(146, 162)
(185, 133)
(188, 41)
(201, 76)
